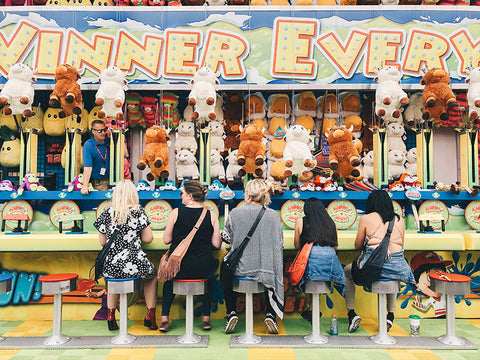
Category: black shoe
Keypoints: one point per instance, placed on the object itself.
(307, 315)
(232, 320)
(390, 318)
(353, 321)
(271, 323)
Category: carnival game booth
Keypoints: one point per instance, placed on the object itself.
(295, 77)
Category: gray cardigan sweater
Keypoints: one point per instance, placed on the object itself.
(262, 259)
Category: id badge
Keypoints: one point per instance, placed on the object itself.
(103, 171)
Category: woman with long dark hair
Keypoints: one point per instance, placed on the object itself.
(372, 228)
(318, 228)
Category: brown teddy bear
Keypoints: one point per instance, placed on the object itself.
(278, 105)
(67, 91)
(251, 152)
(156, 154)
(255, 105)
(437, 95)
(343, 157)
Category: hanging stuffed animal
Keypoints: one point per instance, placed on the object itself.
(216, 136)
(217, 170)
(343, 156)
(156, 154)
(18, 91)
(149, 108)
(169, 114)
(297, 153)
(134, 112)
(11, 148)
(203, 95)
(186, 137)
(413, 113)
(186, 166)
(255, 106)
(232, 168)
(67, 91)
(251, 152)
(305, 109)
(389, 96)
(111, 93)
(278, 106)
(437, 95)
(473, 93)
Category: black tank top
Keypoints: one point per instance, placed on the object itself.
(198, 262)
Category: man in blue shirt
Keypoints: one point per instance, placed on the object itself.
(96, 159)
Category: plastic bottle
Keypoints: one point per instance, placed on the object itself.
(333, 325)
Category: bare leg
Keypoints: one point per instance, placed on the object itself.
(150, 292)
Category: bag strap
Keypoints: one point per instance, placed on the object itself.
(254, 226)
(389, 231)
(188, 239)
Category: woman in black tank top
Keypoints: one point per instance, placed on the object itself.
(198, 262)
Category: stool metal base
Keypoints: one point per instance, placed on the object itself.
(316, 339)
(123, 339)
(249, 339)
(383, 339)
(189, 338)
(451, 340)
(56, 339)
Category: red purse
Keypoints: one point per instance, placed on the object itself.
(297, 268)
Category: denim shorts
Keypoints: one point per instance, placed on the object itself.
(323, 264)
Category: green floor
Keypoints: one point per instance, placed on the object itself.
(218, 347)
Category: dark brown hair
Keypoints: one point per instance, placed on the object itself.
(196, 189)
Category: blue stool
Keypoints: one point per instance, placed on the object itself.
(56, 285)
(382, 287)
(316, 287)
(189, 287)
(249, 287)
(5, 286)
(123, 287)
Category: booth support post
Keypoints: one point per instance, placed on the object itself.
(380, 170)
(425, 157)
(117, 155)
(28, 153)
(469, 158)
(204, 156)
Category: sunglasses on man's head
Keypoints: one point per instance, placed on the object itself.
(100, 130)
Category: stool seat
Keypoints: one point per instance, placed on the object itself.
(58, 283)
(189, 286)
(318, 287)
(247, 285)
(385, 286)
(450, 284)
(122, 286)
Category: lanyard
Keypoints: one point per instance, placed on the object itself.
(104, 157)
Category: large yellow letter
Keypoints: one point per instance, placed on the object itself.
(227, 50)
(145, 56)
(14, 50)
(81, 52)
(49, 50)
(425, 48)
(292, 48)
(467, 51)
(181, 52)
(383, 50)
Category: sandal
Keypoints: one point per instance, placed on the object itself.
(164, 326)
(206, 325)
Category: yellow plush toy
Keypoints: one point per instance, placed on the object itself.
(306, 121)
(93, 115)
(35, 121)
(278, 106)
(53, 124)
(9, 121)
(78, 122)
(10, 153)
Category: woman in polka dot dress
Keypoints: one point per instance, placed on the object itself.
(125, 258)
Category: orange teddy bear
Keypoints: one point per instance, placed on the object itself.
(437, 95)
(344, 156)
(67, 91)
(251, 151)
(156, 154)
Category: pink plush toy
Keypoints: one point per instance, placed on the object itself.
(6, 185)
(77, 183)
(30, 184)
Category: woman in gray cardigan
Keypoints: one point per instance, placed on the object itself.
(262, 259)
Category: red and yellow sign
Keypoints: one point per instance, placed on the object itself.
(158, 212)
(472, 214)
(435, 207)
(291, 210)
(17, 207)
(61, 211)
(343, 213)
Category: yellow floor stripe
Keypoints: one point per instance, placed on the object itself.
(271, 354)
(370, 326)
(7, 354)
(475, 322)
(412, 355)
(131, 354)
(137, 329)
(31, 328)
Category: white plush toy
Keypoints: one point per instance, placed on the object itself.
(186, 166)
(203, 96)
(18, 91)
(394, 137)
(413, 113)
(187, 113)
(389, 96)
(297, 154)
(216, 166)
(390, 2)
(411, 165)
(473, 92)
(216, 136)
(233, 168)
(396, 161)
(186, 137)
(368, 165)
(111, 93)
(219, 116)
